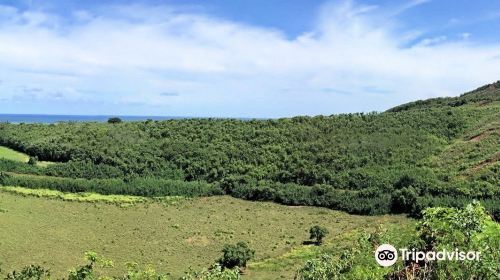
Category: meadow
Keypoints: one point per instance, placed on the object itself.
(173, 237)
(10, 154)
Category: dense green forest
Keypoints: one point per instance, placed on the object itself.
(442, 151)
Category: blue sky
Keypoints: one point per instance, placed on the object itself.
(241, 58)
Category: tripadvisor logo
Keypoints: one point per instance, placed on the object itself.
(387, 255)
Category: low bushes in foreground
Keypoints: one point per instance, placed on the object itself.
(467, 229)
(93, 270)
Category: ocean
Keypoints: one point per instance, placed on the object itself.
(48, 119)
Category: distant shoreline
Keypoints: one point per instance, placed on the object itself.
(50, 119)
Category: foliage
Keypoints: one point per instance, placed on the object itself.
(373, 163)
(466, 229)
(134, 272)
(148, 187)
(86, 272)
(31, 272)
(236, 255)
(216, 272)
(326, 267)
(318, 233)
(33, 160)
(114, 120)
(404, 200)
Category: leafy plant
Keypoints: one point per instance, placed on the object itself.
(216, 272)
(31, 272)
(318, 233)
(236, 255)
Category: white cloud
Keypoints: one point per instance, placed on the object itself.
(135, 54)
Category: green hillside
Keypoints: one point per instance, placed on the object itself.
(155, 193)
(436, 152)
(481, 96)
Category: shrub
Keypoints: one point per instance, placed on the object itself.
(33, 160)
(215, 273)
(317, 233)
(134, 272)
(236, 255)
(403, 200)
(326, 267)
(32, 272)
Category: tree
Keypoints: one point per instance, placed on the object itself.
(236, 255)
(318, 233)
(114, 120)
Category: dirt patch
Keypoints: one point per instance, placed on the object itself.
(483, 134)
(485, 163)
(198, 240)
(484, 103)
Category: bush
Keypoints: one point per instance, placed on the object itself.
(404, 200)
(32, 272)
(33, 160)
(317, 233)
(236, 255)
(326, 267)
(468, 229)
(215, 273)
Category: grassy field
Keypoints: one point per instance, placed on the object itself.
(10, 154)
(53, 232)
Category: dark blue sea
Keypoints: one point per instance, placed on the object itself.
(21, 118)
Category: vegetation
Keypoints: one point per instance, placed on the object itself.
(318, 233)
(236, 255)
(147, 187)
(33, 160)
(170, 235)
(153, 191)
(114, 120)
(398, 161)
(31, 272)
(468, 229)
(6, 153)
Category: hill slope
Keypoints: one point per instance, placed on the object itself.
(439, 151)
(481, 96)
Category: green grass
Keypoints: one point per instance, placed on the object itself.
(121, 200)
(7, 153)
(172, 237)
(10, 154)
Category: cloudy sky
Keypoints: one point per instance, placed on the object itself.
(229, 58)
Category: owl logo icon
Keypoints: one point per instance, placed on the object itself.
(386, 255)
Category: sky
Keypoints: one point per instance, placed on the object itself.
(226, 58)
